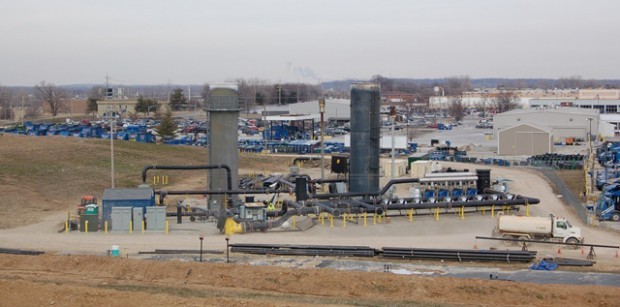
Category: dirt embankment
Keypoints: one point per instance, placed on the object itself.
(89, 280)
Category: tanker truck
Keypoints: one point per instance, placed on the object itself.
(550, 228)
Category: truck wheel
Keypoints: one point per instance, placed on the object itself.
(615, 216)
(509, 243)
(572, 241)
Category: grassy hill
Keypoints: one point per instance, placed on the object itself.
(43, 174)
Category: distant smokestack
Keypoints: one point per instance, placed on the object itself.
(365, 138)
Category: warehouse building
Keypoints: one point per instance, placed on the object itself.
(524, 140)
(535, 126)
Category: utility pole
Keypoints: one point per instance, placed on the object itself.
(23, 111)
(322, 110)
(112, 124)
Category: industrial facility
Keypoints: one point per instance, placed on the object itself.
(355, 191)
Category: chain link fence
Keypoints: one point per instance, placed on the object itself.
(562, 189)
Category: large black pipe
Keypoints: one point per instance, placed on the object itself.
(163, 193)
(190, 167)
(367, 194)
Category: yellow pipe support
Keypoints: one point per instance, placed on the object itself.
(167, 226)
(365, 223)
(321, 219)
(85, 227)
(527, 209)
(294, 221)
(130, 227)
(143, 227)
(67, 226)
(493, 211)
(105, 227)
(344, 220)
(411, 215)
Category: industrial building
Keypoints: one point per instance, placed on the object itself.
(531, 131)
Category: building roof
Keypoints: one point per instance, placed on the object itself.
(545, 129)
(127, 194)
(560, 110)
(610, 117)
(290, 117)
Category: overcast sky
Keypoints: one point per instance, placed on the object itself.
(187, 41)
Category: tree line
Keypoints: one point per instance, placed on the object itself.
(254, 93)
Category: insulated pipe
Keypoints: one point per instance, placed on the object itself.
(190, 167)
(456, 204)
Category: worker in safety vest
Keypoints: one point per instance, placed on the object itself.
(271, 206)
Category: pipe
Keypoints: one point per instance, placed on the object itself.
(456, 204)
(319, 181)
(164, 193)
(190, 167)
(249, 226)
(368, 207)
(381, 192)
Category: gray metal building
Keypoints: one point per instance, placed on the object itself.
(563, 123)
(524, 140)
(130, 198)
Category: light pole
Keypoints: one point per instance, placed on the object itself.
(592, 177)
(590, 133)
(23, 111)
(393, 154)
(408, 114)
(112, 124)
(322, 111)
(436, 90)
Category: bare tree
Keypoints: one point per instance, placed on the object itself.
(505, 101)
(456, 109)
(6, 110)
(52, 95)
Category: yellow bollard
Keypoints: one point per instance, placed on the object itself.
(143, 227)
(437, 214)
(165, 181)
(294, 221)
(331, 221)
(167, 226)
(344, 220)
(379, 217)
(484, 211)
(527, 209)
(105, 227)
(67, 227)
(493, 211)
(374, 219)
(462, 212)
(321, 219)
(365, 223)
(411, 215)
(85, 227)
(130, 227)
